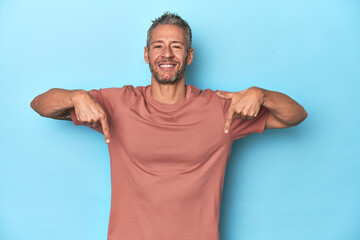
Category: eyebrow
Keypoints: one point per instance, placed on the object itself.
(160, 41)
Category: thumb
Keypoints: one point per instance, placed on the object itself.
(224, 95)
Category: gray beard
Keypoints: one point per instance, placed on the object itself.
(170, 81)
(176, 78)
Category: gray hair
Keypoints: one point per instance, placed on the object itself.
(171, 19)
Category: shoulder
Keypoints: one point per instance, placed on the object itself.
(202, 93)
(138, 90)
(211, 96)
(114, 92)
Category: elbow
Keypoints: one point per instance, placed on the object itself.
(38, 102)
(305, 115)
(296, 119)
(301, 117)
(33, 104)
(36, 106)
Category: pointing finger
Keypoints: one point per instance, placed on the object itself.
(228, 120)
(106, 129)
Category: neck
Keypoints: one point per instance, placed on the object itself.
(168, 93)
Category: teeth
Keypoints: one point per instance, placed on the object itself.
(166, 65)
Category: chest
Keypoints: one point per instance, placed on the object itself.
(169, 141)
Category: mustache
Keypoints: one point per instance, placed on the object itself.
(166, 61)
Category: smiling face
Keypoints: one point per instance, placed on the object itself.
(167, 55)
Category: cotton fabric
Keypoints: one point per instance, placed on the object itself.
(168, 161)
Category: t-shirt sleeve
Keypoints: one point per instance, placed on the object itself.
(107, 98)
(242, 127)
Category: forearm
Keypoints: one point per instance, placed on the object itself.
(287, 110)
(54, 102)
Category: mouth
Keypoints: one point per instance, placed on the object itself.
(167, 65)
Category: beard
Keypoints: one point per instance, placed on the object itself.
(170, 79)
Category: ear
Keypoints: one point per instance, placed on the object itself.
(146, 55)
(190, 56)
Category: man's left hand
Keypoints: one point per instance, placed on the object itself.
(244, 104)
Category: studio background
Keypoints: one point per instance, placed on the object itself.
(301, 183)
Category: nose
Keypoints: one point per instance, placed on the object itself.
(167, 52)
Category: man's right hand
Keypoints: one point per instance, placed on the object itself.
(90, 112)
(57, 102)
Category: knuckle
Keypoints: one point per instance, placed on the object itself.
(239, 111)
(102, 116)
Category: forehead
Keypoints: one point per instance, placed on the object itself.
(165, 32)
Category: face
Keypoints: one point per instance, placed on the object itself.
(166, 55)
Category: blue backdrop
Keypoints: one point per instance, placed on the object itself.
(297, 183)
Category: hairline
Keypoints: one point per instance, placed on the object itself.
(177, 21)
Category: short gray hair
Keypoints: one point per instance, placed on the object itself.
(171, 19)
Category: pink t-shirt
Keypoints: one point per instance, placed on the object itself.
(168, 162)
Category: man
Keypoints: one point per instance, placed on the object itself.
(169, 142)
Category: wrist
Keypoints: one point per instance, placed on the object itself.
(77, 95)
(261, 93)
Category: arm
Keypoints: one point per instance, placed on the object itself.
(284, 111)
(56, 103)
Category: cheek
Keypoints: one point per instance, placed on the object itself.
(180, 57)
(153, 57)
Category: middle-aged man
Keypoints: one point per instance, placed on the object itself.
(169, 142)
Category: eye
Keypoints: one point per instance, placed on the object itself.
(177, 46)
(157, 46)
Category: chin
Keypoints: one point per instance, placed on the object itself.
(166, 81)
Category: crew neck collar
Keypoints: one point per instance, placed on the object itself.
(168, 106)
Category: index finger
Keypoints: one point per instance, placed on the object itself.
(228, 120)
(106, 129)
